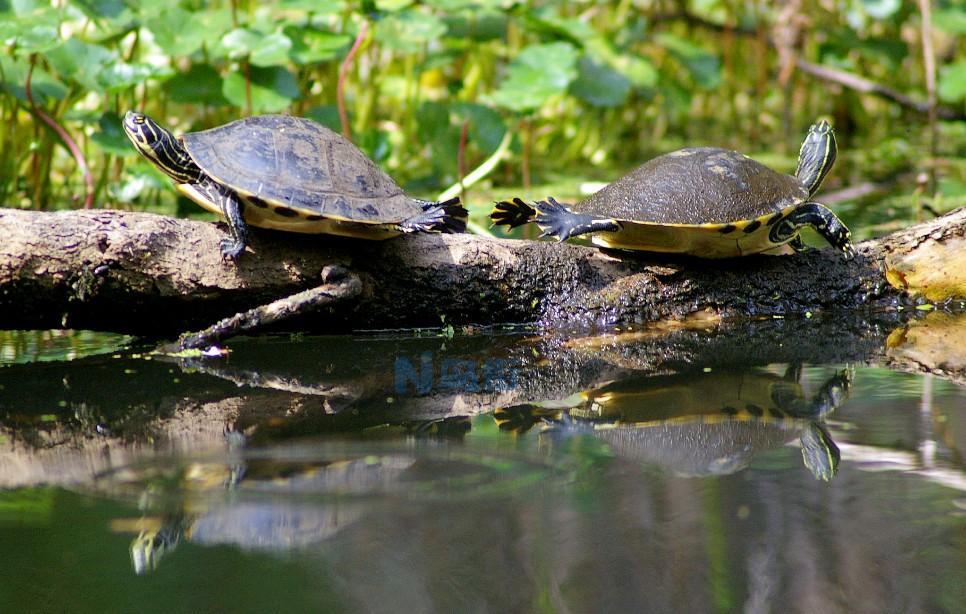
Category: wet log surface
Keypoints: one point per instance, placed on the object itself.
(154, 275)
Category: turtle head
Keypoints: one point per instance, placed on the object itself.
(816, 157)
(160, 147)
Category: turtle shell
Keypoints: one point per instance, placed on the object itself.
(298, 167)
(697, 186)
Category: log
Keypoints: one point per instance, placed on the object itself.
(153, 275)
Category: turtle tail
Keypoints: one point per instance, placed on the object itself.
(448, 216)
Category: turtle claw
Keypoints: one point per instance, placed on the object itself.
(231, 249)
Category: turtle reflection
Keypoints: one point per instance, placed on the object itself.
(281, 499)
(698, 424)
(261, 504)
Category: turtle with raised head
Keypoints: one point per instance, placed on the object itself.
(702, 201)
(287, 173)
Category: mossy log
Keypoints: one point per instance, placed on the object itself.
(154, 275)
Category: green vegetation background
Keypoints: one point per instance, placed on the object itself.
(586, 90)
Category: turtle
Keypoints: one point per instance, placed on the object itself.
(287, 173)
(699, 423)
(703, 201)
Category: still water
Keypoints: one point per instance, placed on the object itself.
(766, 466)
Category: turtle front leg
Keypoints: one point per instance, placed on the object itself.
(820, 218)
(232, 247)
(232, 208)
(556, 220)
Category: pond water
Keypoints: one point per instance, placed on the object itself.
(761, 466)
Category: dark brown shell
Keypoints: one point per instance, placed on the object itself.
(298, 164)
(700, 185)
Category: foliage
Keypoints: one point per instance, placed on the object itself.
(598, 87)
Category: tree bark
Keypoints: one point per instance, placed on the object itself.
(153, 275)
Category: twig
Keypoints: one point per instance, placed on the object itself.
(527, 129)
(871, 87)
(339, 285)
(461, 156)
(64, 136)
(343, 72)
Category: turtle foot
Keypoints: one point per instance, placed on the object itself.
(231, 249)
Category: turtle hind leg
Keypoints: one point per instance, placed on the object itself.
(512, 213)
(556, 220)
(820, 218)
(799, 247)
(448, 216)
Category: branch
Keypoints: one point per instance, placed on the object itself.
(861, 84)
(827, 73)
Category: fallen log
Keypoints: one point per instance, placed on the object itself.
(154, 275)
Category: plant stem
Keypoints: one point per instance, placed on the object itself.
(64, 136)
(929, 65)
(343, 72)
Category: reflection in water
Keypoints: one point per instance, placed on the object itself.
(705, 423)
(291, 497)
(219, 503)
(338, 489)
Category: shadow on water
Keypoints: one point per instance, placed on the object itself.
(748, 465)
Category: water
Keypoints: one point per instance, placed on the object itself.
(775, 465)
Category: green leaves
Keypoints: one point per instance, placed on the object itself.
(313, 46)
(97, 68)
(260, 49)
(110, 136)
(33, 32)
(178, 32)
(409, 30)
(952, 82)
(536, 75)
(703, 66)
(952, 20)
(881, 9)
(13, 72)
(600, 85)
(272, 89)
(200, 84)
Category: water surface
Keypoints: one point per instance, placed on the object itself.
(762, 466)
